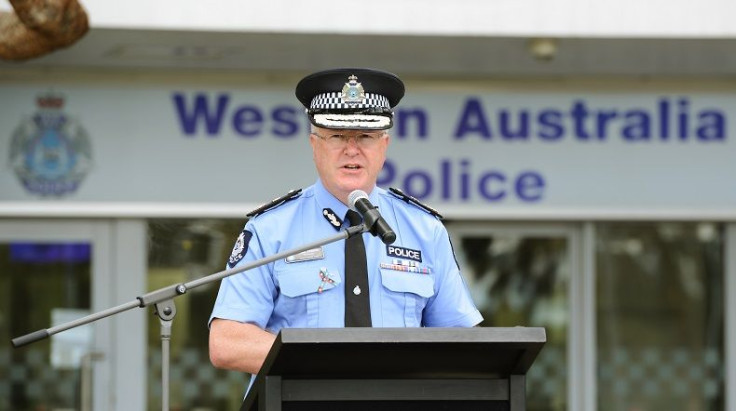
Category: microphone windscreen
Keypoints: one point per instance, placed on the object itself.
(354, 196)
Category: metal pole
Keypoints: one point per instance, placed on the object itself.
(86, 383)
(165, 358)
(166, 311)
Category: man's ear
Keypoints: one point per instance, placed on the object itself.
(313, 142)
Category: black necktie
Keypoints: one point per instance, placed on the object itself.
(357, 297)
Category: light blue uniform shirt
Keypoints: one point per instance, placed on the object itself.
(415, 283)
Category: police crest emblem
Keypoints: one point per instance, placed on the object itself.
(240, 248)
(50, 152)
(352, 91)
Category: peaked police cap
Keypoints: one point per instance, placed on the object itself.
(350, 98)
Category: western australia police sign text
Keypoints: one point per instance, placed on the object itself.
(451, 175)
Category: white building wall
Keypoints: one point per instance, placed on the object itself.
(563, 18)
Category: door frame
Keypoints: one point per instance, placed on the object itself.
(118, 275)
(581, 352)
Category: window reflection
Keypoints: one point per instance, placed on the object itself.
(660, 316)
(519, 280)
(181, 251)
(40, 282)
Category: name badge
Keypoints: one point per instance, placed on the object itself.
(309, 255)
(401, 252)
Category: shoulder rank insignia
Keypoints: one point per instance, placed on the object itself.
(275, 202)
(409, 199)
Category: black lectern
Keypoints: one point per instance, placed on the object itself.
(397, 369)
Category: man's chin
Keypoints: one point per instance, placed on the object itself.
(352, 184)
(349, 188)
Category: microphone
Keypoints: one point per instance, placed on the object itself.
(358, 201)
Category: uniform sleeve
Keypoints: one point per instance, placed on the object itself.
(247, 297)
(451, 306)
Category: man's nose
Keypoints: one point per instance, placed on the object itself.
(352, 140)
(352, 147)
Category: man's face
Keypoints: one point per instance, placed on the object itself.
(348, 160)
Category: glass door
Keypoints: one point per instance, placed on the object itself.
(52, 272)
(520, 275)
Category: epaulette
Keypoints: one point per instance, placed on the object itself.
(409, 199)
(275, 202)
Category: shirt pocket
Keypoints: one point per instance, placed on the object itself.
(300, 287)
(411, 290)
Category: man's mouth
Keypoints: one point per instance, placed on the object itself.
(352, 166)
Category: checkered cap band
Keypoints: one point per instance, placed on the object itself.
(334, 100)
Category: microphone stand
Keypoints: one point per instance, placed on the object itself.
(163, 302)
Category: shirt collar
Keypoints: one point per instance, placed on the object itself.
(325, 199)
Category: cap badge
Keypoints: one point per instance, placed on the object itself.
(352, 91)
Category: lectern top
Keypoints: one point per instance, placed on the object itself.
(404, 352)
(415, 335)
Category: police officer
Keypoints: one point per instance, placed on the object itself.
(413, 282)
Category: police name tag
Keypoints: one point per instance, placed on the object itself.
(309, 255)
(401, 252)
